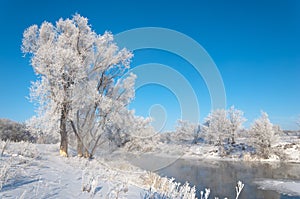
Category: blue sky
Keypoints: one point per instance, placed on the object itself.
(255, 45)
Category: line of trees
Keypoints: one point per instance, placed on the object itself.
(13, 131)
(222, 127)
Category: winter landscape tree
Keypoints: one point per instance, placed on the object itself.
(187, 131)
(79, 86)
(216, 127)
(197, 133)
(236, 120)
(221, 126)
(264, 135)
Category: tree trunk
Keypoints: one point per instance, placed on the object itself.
(82, 151)
(232, 136)
(232, 140)
(63, 133)
(79, 147)
(87, 154)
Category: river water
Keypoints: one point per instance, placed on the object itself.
(221, 176)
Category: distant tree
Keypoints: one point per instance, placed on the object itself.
(236, 120)
(197, 133)
(14, 131)
(216, 127)
(79, 86)
(263, 135)
(221, 126)
(188, 131)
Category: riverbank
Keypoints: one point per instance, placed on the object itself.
(286, 150)
(37, 171)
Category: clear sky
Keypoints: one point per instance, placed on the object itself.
(255, 45)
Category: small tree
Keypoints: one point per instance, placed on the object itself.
(187, 131)
(216, 127)
(236, 120)
(263, 135)
(221, 126)
(197, 133)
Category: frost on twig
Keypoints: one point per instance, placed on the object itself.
(118, 190)
(89, 182)
(162, 187)
(5, 144)
(239, 187)
(205, 194)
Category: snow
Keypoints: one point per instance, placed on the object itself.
(240, 152)
(45, 174)
(50, 176)
(282, 186)
(37, 171)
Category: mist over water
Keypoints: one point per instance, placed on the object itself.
(221, 176)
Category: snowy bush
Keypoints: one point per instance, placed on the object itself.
(264, 135)
(11, 167)
(24, 149)
(13, 158)
(5, 171)
(3, 146)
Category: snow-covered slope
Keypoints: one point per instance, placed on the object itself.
(44, 174)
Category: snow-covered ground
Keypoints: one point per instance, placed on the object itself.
(37, 171)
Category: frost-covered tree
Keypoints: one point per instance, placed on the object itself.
(221, 126)
(13, 131)
(105, 116)
(263, 135)
(197, 133)
(216, 127)
(187, 131)
(79, 86)
(236, 120)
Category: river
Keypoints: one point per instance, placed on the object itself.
(221, 176)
